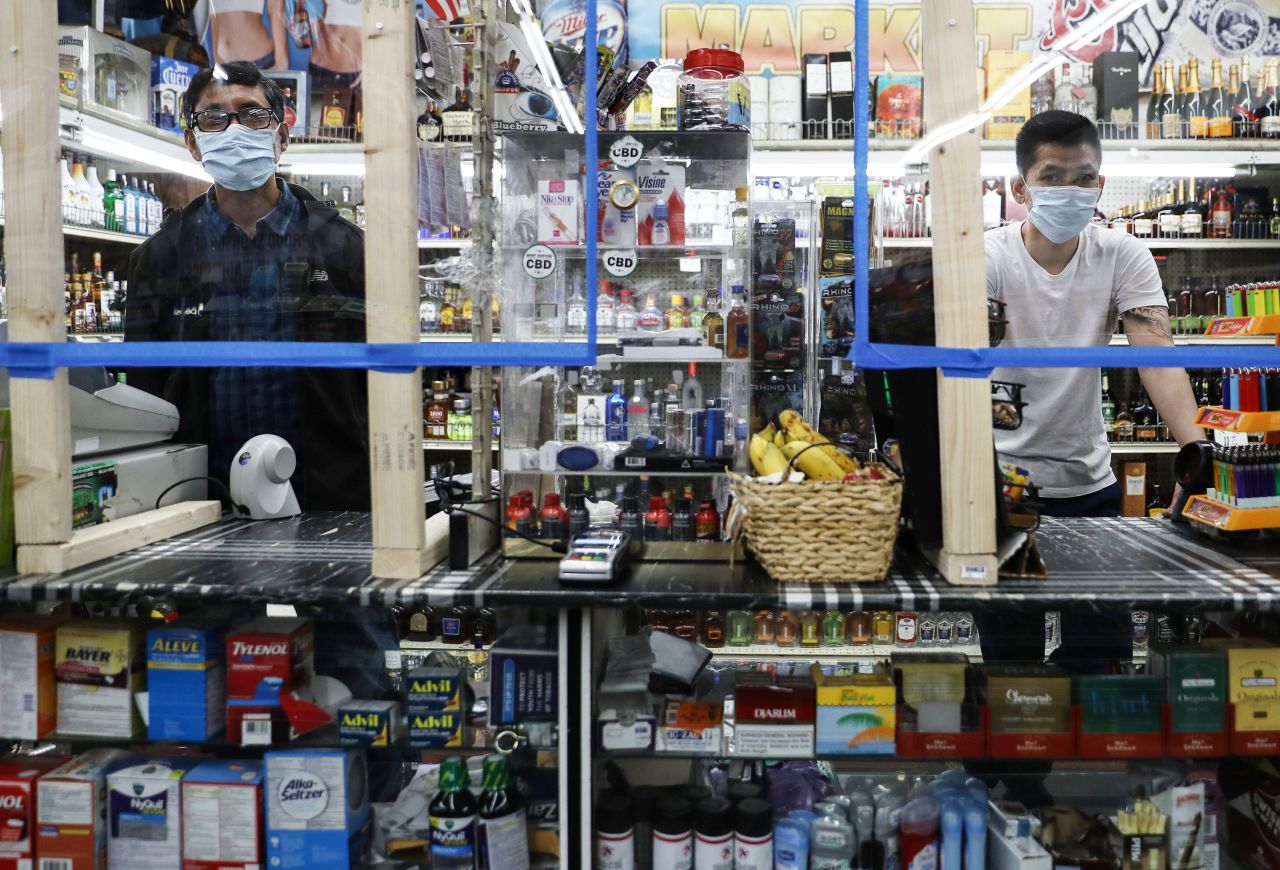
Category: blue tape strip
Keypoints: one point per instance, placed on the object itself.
(590, 172)
(861, 212)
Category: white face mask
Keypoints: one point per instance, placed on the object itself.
(238, 158)
(1062, 212)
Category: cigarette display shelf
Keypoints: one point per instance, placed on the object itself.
(1230, 518)
(1262, 150)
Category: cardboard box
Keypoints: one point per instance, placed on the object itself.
(318, 815)
(856, 713)
(1195, 682)
(370, 723)
(899, 105)
(169, 81)
(1253, 669)
(1026, 699)
(266, 658)
(1120, 704)
(777, 305)
(436, 688)
(692, 726)
(222, 816)
(1016, 853)
(524, 667)
(18, 777)
(559, 211)
(105, 72)
(434, 730)
(186, 678)
(123, 484)
(840, 67)
(144, 812)
(774, 721)
(71, 811)
(1135, 490)
(816, 89)
(1116, 76)
(28, 687)
(932, 677)
(100, 668)
(1007, 119)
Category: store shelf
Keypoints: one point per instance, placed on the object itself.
(1227, 518)
(93, 234)
(1223, 245)
(1225, 420)
(443, 244)
(1202, 341)
(689, 249)
(844, 653)
(1264, 148)
(1135, 449)
(94, 337)
(450, 446)
(1229, 328)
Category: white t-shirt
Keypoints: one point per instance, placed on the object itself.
(1062, 441)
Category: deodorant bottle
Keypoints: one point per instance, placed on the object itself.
(615, 834)
(832, 843)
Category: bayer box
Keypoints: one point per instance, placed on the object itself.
(185, 681)
(28, 690)
(100, 667)
(18, 777)
(71, 811)
(318, 814)
(144, 813)
(222, 816)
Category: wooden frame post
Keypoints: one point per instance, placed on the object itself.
(960, 310)
(400, 547)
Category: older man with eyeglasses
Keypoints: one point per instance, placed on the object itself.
(256, 258)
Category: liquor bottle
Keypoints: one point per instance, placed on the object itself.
(616, 415)
(346, 207)
(833, 628)
(1184, 119)
(1170, 217)
(713, 323)
(1142, 223)
(786, 628)
(740, 625)
(650, 318)
(575, 320)
(1192, 223)
(1244, 118)
(713, 625)
(706, 522)
(677, 314)
(1063, 100)
(68, 193)
(1275, 218)
(1170, 120)
(97, 212)
(1219, 110)
(737, 327)
(1108, 408)
(84, 197)
(437, 412)
(698, 313)
(503, 839)
(606, 311)
(448, 312)
(1155, 105)
(452, 816)
(657, 521)
(113, 203)
(740, 219)
(1085, 95)
(625, 315)
(638, 410)
(157, 207)
(882, 627)
(133, 207)
(1221, 216)
(1157, 505)
(1042, 94)
(682, 521)
(1269, 110)
(858, 627)
(765, 627)
(458, 119)
(691, 390)
(430, 124)
(1197, 111)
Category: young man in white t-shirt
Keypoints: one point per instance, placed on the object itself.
(1063, 280)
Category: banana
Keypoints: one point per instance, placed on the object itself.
(774, 460)
(755, 449)
(814, 463)
(798, 430)
(765, 458)
(768, 432)
(779, 438)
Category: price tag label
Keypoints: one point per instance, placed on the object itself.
(539, 262)
(626, 152)
(620, 264)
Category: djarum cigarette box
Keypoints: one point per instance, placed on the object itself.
(71, 811)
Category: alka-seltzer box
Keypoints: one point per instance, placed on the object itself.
(370, 723)
(661, 183)
(144, 812)
(222, 816)
(185, 681)
(774, 721)
(71, 811)
(559, 211)
(266, 658)
(169, 81)
(318, 814)
(100, 666)
(18, 777)
(28, 689)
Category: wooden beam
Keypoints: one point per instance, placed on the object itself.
(391, 287)
(959, 286)
(405, 562)
(119, 536)
(34, 256)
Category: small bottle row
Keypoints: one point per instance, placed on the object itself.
(811, 628)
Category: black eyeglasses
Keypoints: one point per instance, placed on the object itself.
(217, 120)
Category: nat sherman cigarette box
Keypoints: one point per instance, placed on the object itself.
(28, 689)
(318, 814)
(71, 811)
(100, 667)
(144, 813)
(1253, 682)
(222, 816)
(18, 777)
(1026, 699)
(186, 681)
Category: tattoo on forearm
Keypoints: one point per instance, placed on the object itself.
(1149, 319)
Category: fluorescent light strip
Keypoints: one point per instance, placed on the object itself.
(109, 146)
(809, 164)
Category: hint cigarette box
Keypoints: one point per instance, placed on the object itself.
(559, 211)
(318, 814)
(144, 813)
(185, 681)
(100, 667)
(370, 723)
(28, 688)
(774, 721)
(18, 776)
(71, 811)
(266, 658)
(222, 816)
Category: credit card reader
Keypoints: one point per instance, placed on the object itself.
(596, 557)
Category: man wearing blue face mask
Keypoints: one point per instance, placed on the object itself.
(256, 259)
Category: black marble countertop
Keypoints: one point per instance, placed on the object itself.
(324, 558)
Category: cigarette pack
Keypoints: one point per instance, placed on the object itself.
(185, 681)
(144, 812)
(774, 721)
(318, 813)
(1026, 699)
(222, 816)
(1120, 703)
(662, 196)
(1007, 119)
(18, 778)
(71, 811)
(559, 211)
(28, 688)
(1196, 686)
(100, 667)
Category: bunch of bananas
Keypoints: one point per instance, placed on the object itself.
(772, 449)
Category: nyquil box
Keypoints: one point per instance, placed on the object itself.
(318, 814)
(144, 813)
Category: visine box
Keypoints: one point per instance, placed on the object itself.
(185, 680)
(370, 723)
(318, 814)
(144, 813)
(100, 667)
(71, 811)
(222, 816)
(18, 776)
(28, 689)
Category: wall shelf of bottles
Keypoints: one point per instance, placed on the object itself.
(1154, 244)
(98, 235)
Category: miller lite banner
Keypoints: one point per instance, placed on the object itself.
(774, 37)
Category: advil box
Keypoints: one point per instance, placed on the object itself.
(144, 813)
(18, 808)
(222, 816)
(185, 679)
(318, 814)
(28, 691)
(71, 812)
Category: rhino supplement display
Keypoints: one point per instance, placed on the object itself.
(615, 833)
(672, 835)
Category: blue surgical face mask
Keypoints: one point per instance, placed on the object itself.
(1062, 212)
(238, 158)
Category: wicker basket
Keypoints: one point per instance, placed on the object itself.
(821, 531)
